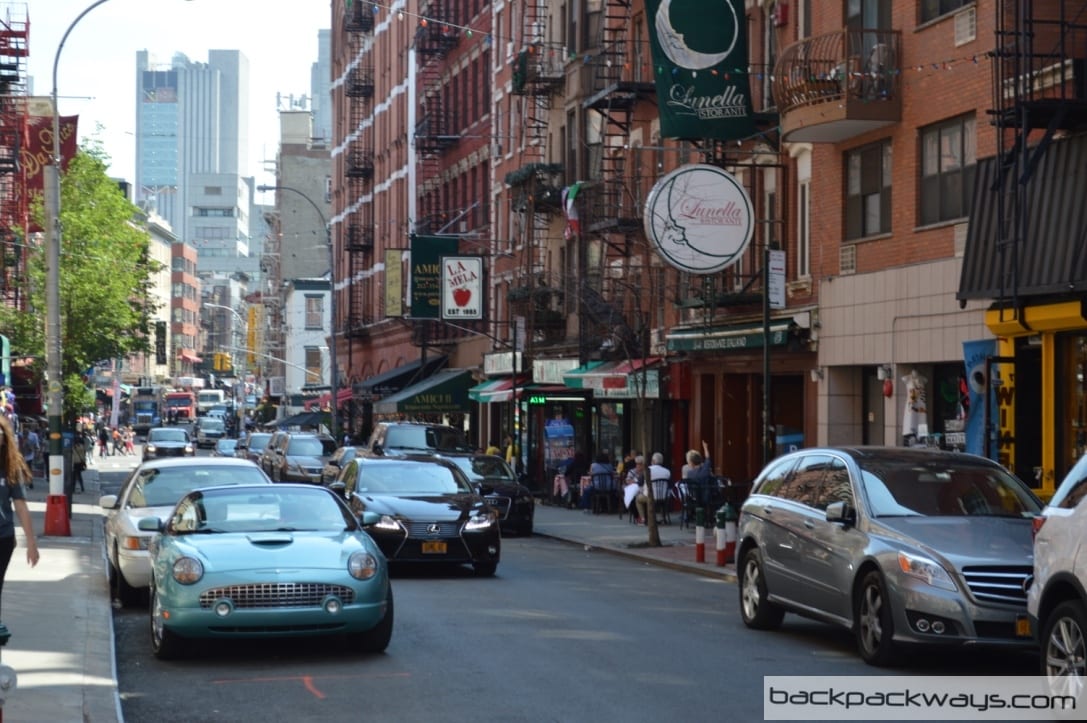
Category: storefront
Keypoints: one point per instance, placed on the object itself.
(557, 432)
(390, 382)
(442, 397)
(726, 373)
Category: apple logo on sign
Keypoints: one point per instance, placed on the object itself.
(462, 296)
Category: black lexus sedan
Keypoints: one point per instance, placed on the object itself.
(422, 509)
(499, 485)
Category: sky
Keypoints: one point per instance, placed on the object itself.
(96, 75)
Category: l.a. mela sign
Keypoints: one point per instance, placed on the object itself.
(699, 218)
(462, 287)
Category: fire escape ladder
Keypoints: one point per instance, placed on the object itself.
(613, 208)
(14, 49)
(1039, 83)
(357, 228)
(436, 35)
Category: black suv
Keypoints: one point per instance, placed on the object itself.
(416, 437)
(296, 456)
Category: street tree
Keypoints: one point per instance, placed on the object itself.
(105, 278)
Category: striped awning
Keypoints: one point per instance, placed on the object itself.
(496, 390)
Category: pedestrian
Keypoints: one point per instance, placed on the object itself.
(29, 447)
(79, 460)
(103, 441)
(658, 473)
(130, 441)
(493, 448)
(637, 478)
(118, 443)
(14, 474)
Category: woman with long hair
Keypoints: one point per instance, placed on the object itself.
(13, 475)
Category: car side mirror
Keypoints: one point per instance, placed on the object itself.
(378, 449)
(486, 489)
(339, 488)
(369, 518)
(841, 512)
(149, 524)
(107, 502)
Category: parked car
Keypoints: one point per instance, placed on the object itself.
(225, 447)
(336, 462)
(211, 575)
(498, 483)
(168, 442)
(415, 437)
(900, 545)
(252, 446)
(1057, 597)
(420, 508)
(152, 490)
(209, 430)
(296, 456)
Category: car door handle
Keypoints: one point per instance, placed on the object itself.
(809, 524)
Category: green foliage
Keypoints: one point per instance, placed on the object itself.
(105, 277)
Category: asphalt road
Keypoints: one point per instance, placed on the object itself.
(561, 634)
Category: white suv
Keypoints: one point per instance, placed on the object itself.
(1057, 598)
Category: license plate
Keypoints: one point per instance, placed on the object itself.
(434, 548)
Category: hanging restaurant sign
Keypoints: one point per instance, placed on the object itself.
(699, 219)
(462, 287)
(700, 61)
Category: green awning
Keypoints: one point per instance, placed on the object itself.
(444, 391)
(736, 337)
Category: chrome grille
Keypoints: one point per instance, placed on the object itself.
(999, 583)
(445, 529)
(277, 595)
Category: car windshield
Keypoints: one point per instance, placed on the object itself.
(257, 442)
(305, 447)
(211, 424)
(249, 510)
(226, 445)
(409, 478)
(944, 489)
(485, 468)
(164, 486)
(167, 435)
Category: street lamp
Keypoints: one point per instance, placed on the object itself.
(333, 381)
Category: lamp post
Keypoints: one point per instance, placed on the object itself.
(333, 381)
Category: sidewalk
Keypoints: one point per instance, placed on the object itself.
(61, 621)
(616, 535)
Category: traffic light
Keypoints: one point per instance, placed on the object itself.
(228, 362)
(217, 361)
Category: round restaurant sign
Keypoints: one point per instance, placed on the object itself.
(699, 218)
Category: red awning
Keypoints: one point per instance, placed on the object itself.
(342, 396)
(190, 357)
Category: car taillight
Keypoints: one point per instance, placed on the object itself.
(1036, 526)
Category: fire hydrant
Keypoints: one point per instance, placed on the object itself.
(726, 533)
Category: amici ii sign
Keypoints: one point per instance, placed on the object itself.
(699, 218)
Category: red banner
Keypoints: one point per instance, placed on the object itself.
(39, 151)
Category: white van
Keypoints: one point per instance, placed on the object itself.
(208, 398)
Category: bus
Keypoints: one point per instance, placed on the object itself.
(180, 406)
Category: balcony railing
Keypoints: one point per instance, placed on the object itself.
(834, 86)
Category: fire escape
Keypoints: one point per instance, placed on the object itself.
(357, 231)
(536, 187)
(1039, 88)
(619, 82)
(14, 36)
(435, 37)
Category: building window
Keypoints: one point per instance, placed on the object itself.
(803, 229)
(948, 166)
(313, 365)
(315, 312)
(932, 9)
(868, 190)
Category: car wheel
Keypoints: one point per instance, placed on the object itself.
(873, 621)
(164, 644)
(755, 609)
(377, 638)
(1064, 645)
(122, 591)
(485, 569)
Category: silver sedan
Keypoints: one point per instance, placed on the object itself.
(152, 490)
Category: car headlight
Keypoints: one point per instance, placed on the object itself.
(362, 565)
(188, 570)
(135, 542)
(387, 522)
(480, 520)
(926, 570)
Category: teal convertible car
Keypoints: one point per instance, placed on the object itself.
(252, 561)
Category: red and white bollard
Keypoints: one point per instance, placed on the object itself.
(720, 534)
(726, 534)
(699, 536)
